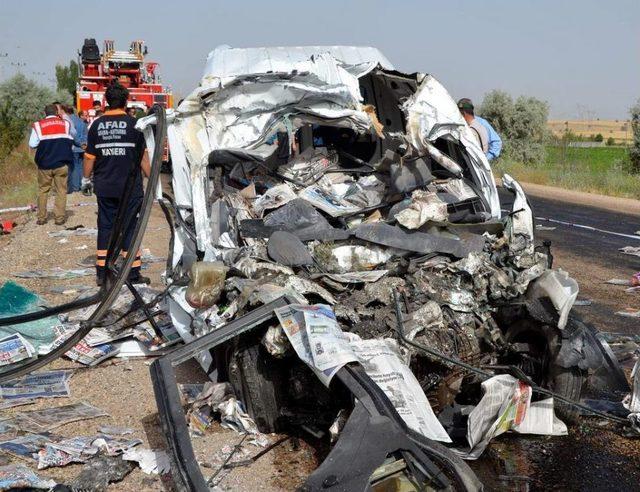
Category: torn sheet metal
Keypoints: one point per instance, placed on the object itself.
(522, 216)
(632, 401)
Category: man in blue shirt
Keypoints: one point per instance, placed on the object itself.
(494, 141)
(80, 142)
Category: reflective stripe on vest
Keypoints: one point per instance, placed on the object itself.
(50, 128)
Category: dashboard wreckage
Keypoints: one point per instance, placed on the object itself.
(332, 217)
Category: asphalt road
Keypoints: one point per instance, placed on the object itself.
(591, 255)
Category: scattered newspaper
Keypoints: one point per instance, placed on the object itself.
(26, 446)
(383, 363)
(82, 352)
(317, 338)
(146, 335)
(50, 418)
(49, 384)
(102, 335)
(15, 348)
(80, 449)
(21, 477)
(506, 405)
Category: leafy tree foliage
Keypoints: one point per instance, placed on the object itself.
(521, 123)
(634, 150)
(67, 78)
(22, 102)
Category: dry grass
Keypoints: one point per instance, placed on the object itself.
(18, 178)
(619, 130)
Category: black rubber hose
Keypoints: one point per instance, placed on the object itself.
(112, 293)
(51, 311)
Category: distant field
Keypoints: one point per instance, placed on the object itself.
(603, 170)
(620, 130)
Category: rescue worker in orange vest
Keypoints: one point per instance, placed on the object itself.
(115, 149)
(51, 138)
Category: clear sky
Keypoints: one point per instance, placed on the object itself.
(582, 56)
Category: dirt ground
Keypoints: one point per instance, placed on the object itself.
(590, 458)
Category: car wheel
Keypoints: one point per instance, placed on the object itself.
(255, 377)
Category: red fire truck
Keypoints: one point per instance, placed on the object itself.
(98, 70)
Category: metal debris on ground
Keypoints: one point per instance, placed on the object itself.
(632, 401)
(629, 313)
(630, 250)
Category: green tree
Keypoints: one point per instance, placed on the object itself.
(67, 78)
(22, 102)
(634, 150)
(522, 124)
(611, 141)
(598, 138)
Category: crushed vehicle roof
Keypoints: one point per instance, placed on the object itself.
(225, 61)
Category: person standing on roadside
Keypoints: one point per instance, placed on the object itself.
(115, 150)
(493, 140)
(80, 142)
(52, 141)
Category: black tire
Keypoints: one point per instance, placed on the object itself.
(568, 383)
(256, 378)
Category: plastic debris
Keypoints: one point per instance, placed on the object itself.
(150, 461)
(561, 289)
(207, 282)
(16, 300)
